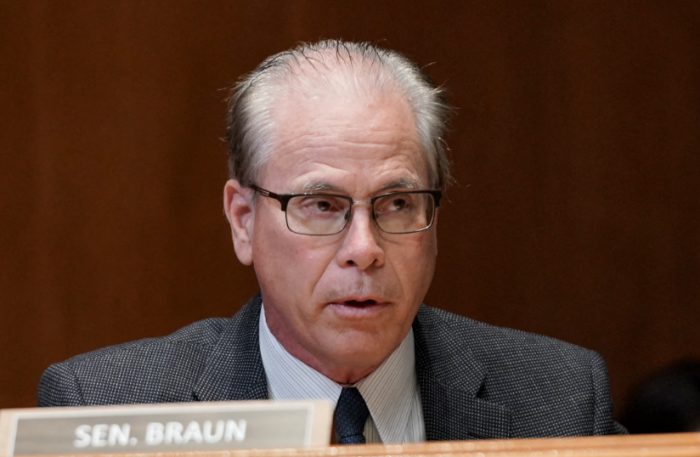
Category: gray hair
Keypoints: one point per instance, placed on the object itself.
(330, 63)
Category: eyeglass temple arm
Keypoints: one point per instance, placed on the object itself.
(283, 199)
(437, 195)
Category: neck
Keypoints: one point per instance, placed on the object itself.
(341, 373)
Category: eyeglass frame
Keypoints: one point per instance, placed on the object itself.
(285, 198)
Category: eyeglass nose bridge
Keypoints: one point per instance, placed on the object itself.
(348, 213)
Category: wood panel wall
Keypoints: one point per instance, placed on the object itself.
(575, 147)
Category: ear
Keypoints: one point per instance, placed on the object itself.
(240, 215)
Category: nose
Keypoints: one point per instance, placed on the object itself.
(360, 247)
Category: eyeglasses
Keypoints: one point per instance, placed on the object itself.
(327, 214)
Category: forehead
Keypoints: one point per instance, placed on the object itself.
(344, 139)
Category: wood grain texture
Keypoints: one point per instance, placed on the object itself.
(575, 146)
(668, 445)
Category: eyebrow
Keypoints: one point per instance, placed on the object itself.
(319, 186)
(401, 183)
(316, 186)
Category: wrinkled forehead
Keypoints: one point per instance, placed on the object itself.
(344, 115)
(345, 137)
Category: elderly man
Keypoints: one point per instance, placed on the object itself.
(337, 163)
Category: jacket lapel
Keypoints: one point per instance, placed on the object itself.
(234, 369)
(451, 382)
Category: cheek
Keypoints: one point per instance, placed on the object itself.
(415, 265)
(271, 250)
(288, 265)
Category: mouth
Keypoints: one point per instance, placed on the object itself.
(358, 308)
(359, 303)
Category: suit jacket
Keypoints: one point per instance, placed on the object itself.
(476, 380)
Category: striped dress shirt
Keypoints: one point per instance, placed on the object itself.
(391, 391)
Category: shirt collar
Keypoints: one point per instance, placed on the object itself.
(388, 390)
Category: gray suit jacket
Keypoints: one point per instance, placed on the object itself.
(476, 380)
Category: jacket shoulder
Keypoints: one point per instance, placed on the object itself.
(552, 387)
(151, 370)
(503, 346)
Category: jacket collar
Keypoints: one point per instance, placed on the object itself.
(452, 382)
(234, 369)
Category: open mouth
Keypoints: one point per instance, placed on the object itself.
(358, 309)
(360, 303)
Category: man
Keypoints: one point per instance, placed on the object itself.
(337, 163)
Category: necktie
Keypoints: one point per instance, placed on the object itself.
(351, 413)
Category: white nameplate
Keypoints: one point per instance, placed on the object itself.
(165, 427)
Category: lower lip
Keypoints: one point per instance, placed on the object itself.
(359, 310)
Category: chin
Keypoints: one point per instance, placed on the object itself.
(357, 349)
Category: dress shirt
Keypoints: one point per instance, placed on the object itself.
(391, 391)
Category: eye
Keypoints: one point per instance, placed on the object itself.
(319, 205)
(323, 205)
(398, 204)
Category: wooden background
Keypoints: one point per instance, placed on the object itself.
(576, 146)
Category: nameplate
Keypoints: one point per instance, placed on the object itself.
(165, 427)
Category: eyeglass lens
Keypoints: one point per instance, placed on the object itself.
(327, 215)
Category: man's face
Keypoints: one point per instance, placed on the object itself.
(341, 303)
